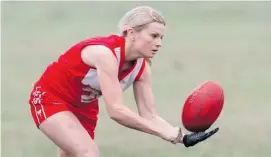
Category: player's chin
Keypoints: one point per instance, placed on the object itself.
(151, 55)
(148, 55)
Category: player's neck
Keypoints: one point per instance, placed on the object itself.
(130, 53)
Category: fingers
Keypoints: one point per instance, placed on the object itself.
(209, 134)
(194, 138)
(212, 132)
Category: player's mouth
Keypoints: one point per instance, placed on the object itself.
(154, 51)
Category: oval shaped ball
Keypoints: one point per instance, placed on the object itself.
(203, 106)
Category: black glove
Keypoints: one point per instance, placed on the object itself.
(194, 138)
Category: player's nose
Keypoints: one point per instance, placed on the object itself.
(158, 43)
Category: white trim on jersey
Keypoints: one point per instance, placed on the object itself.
(128, 80)
(92, 81)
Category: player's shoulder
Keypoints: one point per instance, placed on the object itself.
(102, 44)
(101, 49)
(111, 40)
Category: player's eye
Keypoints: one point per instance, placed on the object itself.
(154, 35)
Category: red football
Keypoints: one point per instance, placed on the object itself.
(203, 106)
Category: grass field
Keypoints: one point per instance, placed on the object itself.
(225, 41)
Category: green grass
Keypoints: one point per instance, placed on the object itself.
(225, 41)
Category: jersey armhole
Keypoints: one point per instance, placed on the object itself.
(141, 70)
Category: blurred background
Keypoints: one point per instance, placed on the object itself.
(229, 42)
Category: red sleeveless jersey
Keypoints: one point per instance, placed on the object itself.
(76, 83)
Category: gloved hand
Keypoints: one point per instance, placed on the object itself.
(194, 138)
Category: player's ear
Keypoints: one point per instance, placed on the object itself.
(131, 34)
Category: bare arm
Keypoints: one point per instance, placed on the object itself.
(146, 108)
(107, 68)
(145, 100)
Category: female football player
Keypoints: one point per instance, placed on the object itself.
(64, 101)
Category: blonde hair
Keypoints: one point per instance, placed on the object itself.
(138, 18)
